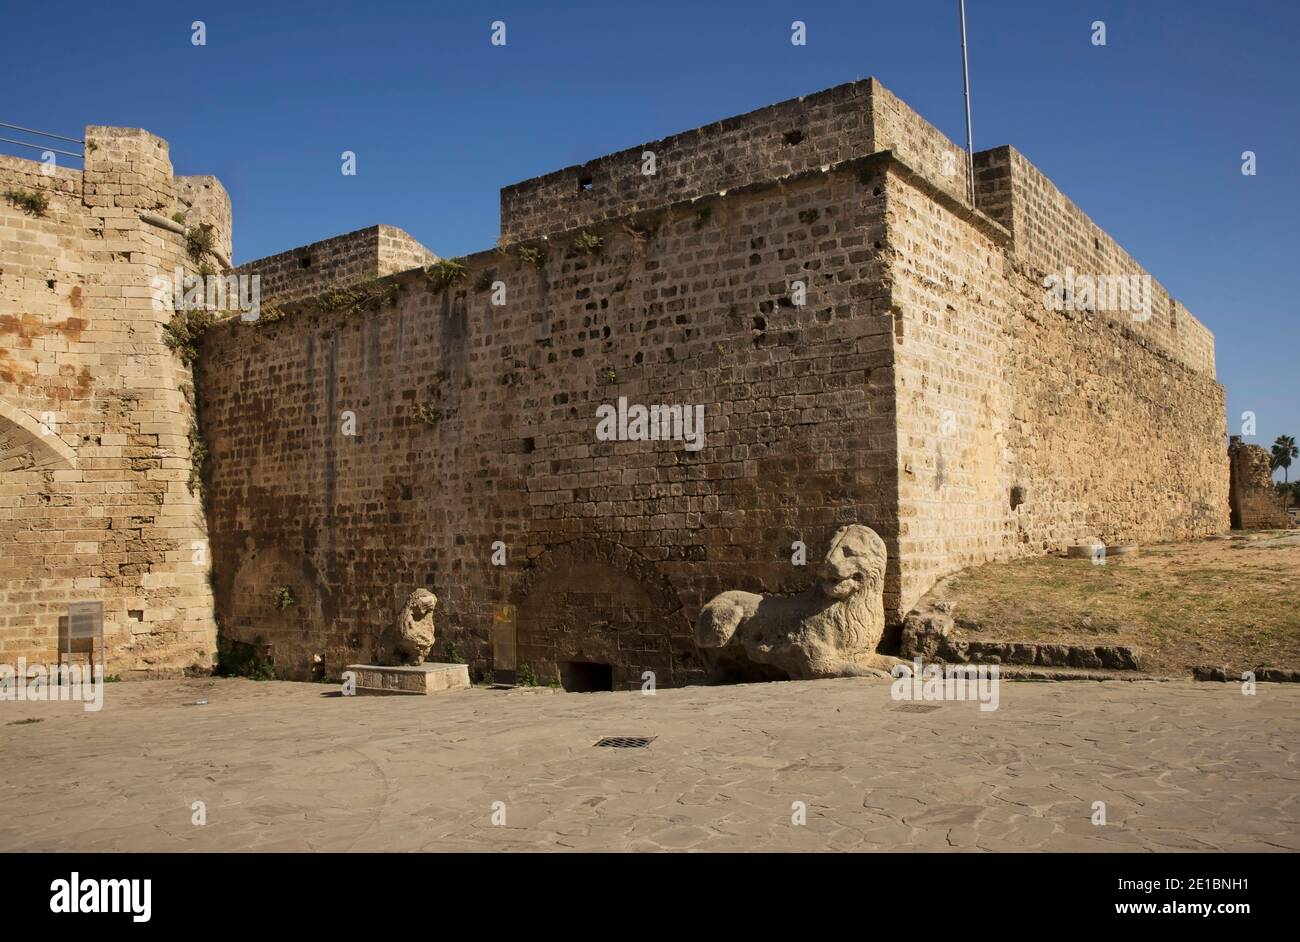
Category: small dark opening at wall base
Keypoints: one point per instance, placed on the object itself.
(586, 677)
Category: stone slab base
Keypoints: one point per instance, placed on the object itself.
(929, 636)
(1267, 675)
(417, 679)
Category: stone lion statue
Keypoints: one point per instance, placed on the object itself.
(415, 627)
(830, 630)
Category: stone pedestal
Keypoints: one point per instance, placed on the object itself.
(419, 679)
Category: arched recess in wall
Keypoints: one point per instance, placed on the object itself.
(27, 445)
(277, 605)
(593, 615)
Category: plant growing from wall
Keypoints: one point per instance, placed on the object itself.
(454, 655)
(269, 314)
(364, 296)
(588, 243)
(484, 281)
(200, 240)
(33, 204)
(283, 598)
(702, 216)
(446, 272)
(198, 460)
(178, 217)
(532, 255)
(809, 216)
(525, 675)
(610, 375)
(184, 332)
(428, 413)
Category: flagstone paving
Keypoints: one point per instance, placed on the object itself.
(296, 767)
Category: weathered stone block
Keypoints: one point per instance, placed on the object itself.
(415, 679)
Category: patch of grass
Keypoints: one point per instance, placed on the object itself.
(33, 204)
(525, 676)
(1186, 604)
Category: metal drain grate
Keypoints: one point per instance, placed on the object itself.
(917, 707)
(627, 742)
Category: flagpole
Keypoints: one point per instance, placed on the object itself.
(965, 75)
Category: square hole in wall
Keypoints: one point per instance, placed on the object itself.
(305, 261)
(136, 614)
(584, 184)
(586, 677)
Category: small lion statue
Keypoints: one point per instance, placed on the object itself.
(830, 630)
(415, 627)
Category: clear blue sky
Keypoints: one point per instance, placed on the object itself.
(1145, 134)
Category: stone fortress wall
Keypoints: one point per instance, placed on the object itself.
(96, 412)
(334, 263)
(404, 431)
(604, 540)
(925, 389)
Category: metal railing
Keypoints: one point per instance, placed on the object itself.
(42, 147)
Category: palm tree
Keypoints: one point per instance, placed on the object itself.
(1284, 449)
(1289, 493)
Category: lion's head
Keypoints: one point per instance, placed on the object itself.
(420, 603)
(855, 561)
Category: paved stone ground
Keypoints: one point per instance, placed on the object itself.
(295, 767)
